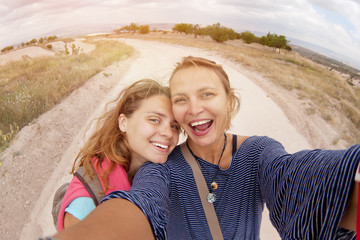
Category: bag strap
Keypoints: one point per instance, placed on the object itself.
(92, 184)
(203, 192)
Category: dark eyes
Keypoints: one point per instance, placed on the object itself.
(175, 126)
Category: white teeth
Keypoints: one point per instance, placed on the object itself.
(199, 123)
(160, 145)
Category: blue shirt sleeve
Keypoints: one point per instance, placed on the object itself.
(307, 192)
(80, 207)
(150, 192)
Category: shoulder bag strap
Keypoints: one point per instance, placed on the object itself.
(203, 192)
(92, 184)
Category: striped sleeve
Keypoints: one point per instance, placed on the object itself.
(150, 192)
(307, 192)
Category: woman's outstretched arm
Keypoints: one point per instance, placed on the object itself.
(113, 219)
(349, 219)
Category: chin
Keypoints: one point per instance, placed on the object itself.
(158, 161)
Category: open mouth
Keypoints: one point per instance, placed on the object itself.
(201, 126)
(159, 145)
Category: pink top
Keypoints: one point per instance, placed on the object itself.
(118, 180)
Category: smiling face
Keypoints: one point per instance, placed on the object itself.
(151, 131)
(200, 104)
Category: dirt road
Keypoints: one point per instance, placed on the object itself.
(42, 155)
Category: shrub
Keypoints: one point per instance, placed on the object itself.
(8, 48)
(219, 33)
(144, 29)
(248, 37)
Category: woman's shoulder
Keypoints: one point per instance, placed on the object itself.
(255, 144)
(255, 140)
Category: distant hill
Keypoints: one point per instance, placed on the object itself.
(313, 49)
(355, 63)
(326, 61)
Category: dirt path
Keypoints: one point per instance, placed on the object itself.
(41, 157)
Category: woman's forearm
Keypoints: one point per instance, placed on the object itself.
(113, 219)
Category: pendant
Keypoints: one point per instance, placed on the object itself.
(213, 185)
(211, 197)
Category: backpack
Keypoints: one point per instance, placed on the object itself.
(92, 185)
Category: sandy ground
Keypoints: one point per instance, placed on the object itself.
(42, 155)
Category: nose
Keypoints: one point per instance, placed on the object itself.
(167, 131)
(195, 107)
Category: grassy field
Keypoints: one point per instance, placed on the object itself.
(330, 96)
(32, 87)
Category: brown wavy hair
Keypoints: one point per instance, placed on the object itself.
(234, 100)
(107, 141)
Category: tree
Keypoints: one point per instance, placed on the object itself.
(196, 29)
(275, 41)
(144, 29)
(248, 37)
(219, 33)
(33, 41)
(183, 28)
(280, 42)
(133, 27)
(8, 48)
(52, 38)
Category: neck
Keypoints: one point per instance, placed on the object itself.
(134, 166)
(210, 153)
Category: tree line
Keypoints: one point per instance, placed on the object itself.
(133, 28)
(217, 32)
(31, 42)
(220, 34)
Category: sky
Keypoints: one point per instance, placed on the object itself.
(331, 24)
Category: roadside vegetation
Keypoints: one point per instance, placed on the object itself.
(31, 87)
(34, 41)
(327, 94)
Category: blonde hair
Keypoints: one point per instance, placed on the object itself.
(190, 61)
(107, 141)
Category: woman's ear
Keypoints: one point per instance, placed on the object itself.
(122, 122)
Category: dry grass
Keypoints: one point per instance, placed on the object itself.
(32, 87)
(331, 97)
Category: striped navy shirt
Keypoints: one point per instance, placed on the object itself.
(306, 193)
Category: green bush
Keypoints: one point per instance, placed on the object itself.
(144, 29)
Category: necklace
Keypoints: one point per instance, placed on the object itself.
(211, 197)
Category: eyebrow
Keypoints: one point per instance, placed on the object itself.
(157, 113)
(199, 90)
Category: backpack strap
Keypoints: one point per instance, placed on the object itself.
(203, 190)
(58, 197)
(92, 184)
